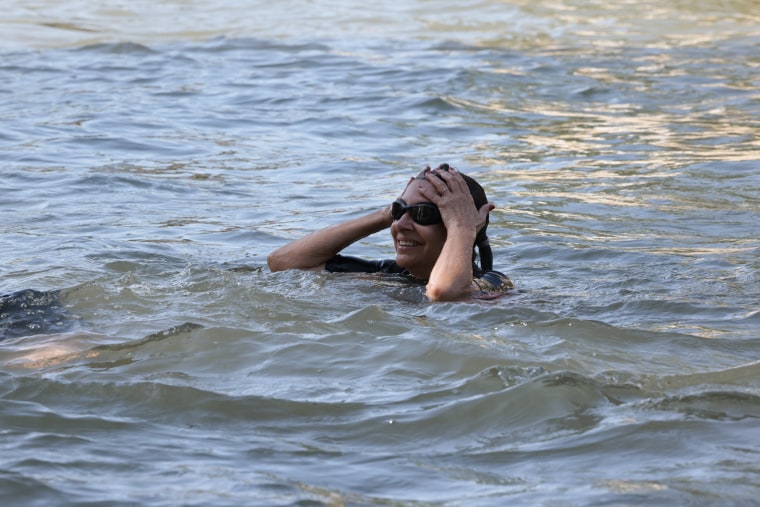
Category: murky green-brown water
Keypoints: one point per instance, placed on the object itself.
(153, 154)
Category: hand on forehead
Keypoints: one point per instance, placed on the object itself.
(434, 180)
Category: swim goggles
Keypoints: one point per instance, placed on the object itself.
(424, 213)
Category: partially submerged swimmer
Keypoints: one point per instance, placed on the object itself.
(438, 225)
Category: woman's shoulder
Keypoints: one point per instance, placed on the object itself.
(347, 264)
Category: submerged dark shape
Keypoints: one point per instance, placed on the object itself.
(28, 312)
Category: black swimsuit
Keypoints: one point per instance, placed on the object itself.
(489, 283)
(346, 264)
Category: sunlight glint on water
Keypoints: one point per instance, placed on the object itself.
(155, 153)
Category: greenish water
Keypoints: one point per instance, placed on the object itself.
(154, 154)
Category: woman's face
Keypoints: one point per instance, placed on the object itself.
(417, 246)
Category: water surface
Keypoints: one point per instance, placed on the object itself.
(154, 154)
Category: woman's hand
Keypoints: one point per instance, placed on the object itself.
(448, 190)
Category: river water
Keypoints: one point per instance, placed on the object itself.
(153, 154)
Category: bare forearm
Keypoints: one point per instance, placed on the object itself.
(451, 277)
(314, 250)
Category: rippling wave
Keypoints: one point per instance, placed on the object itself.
(150, 163)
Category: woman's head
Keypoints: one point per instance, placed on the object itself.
(418, 246)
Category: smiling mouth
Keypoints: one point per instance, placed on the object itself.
(405, 243)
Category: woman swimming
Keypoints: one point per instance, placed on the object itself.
(437, 224)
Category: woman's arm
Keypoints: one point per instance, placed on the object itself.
(451, 278)
(314, 250)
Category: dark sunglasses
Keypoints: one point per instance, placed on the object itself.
(424, 213)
